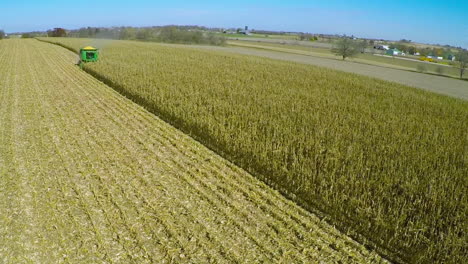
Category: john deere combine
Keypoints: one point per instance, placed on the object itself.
(89, 54)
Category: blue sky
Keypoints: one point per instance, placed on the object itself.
(429, 21)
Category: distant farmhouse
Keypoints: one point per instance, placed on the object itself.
(394, 52)
(382, 47)
(246, 31)
(435, 57)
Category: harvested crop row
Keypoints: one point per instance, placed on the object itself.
(88, 177)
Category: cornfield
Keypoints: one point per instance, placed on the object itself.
(87, 176)
(384, 162)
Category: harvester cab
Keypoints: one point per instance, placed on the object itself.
(89, 54)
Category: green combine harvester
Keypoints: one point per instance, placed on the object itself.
(89, 54)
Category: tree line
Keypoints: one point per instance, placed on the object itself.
(426, 51)
(168, 34)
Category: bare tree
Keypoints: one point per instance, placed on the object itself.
(462, 59)
(345, 47)
(2, 34)
(362, 46)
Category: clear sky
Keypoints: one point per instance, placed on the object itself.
(428, 21)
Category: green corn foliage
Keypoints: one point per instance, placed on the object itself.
(379, 159)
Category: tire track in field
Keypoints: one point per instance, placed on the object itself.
(134, 189)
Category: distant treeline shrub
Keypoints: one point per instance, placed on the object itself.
(27, 35)
(57, 32)
(167, 34)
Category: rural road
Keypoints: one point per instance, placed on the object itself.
(437, 84)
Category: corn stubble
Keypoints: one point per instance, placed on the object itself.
(380, 159)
